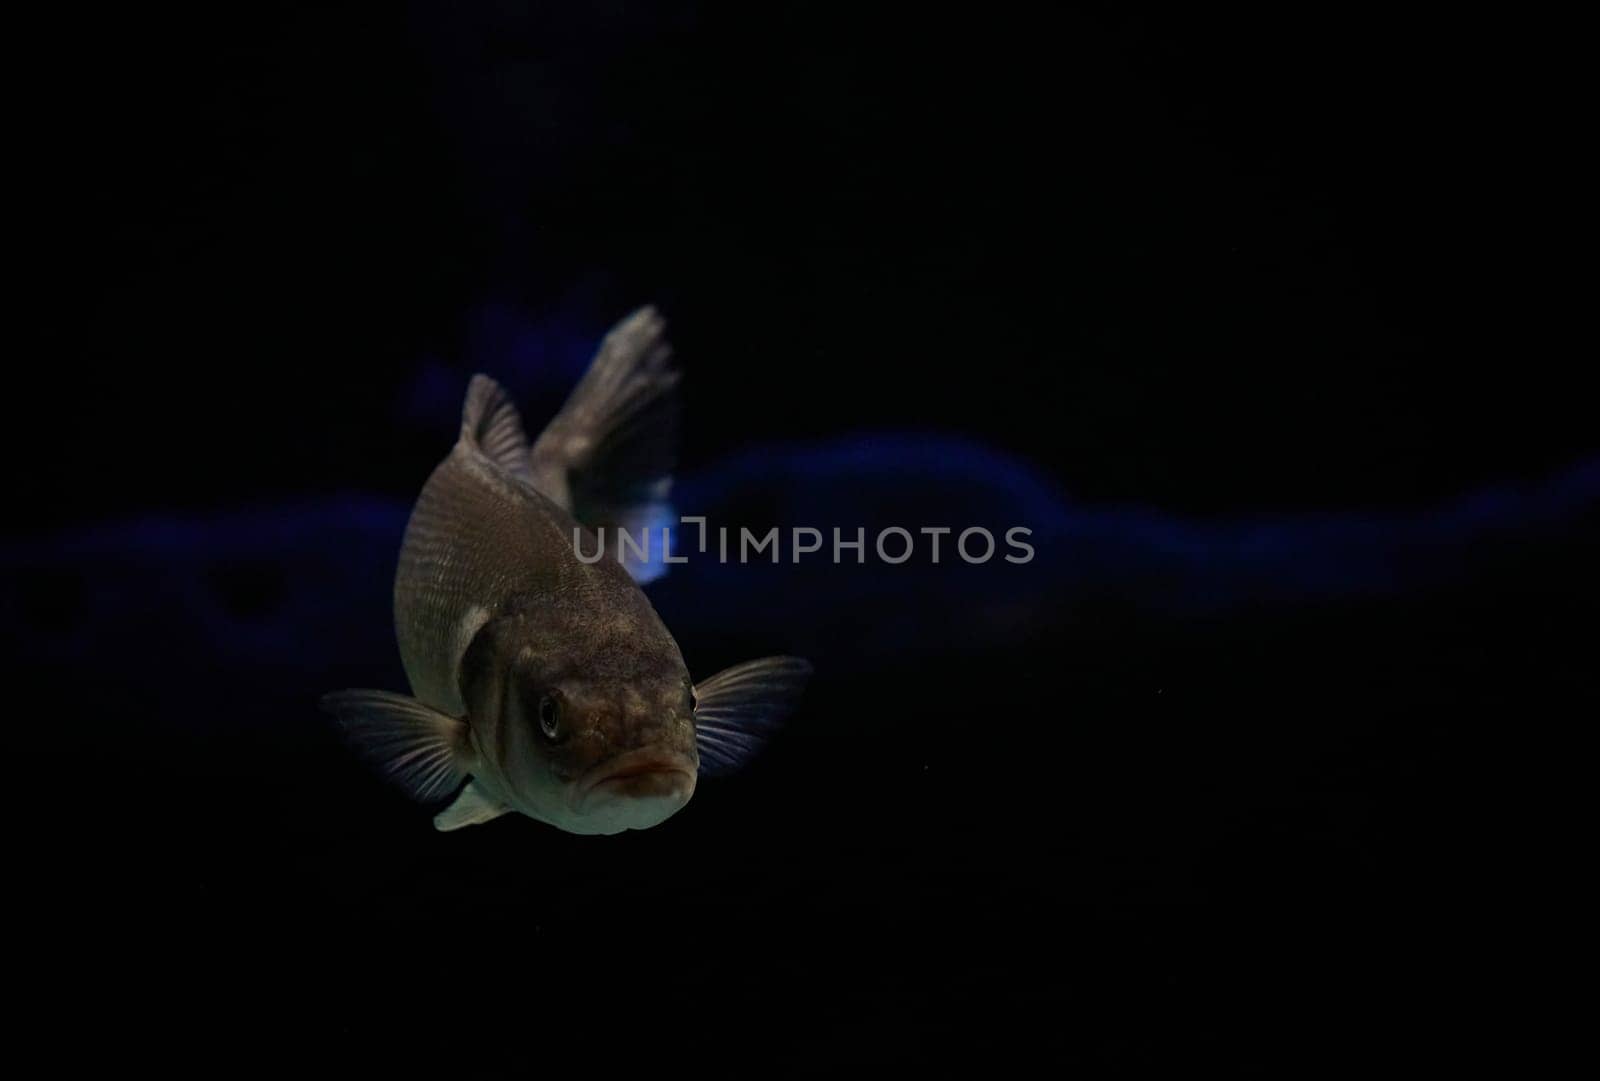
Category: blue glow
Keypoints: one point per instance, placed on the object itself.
(309, 582)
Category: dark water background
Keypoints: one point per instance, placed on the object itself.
(1240, 315)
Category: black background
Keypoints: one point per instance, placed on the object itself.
(1218, 265)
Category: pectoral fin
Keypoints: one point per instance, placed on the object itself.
(738, 709)
(470, 808)
(425, 752)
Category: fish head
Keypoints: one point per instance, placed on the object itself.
(598, 745)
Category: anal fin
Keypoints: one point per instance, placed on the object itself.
(472, 807)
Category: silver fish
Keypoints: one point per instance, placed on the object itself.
(548, 684)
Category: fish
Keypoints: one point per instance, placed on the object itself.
(543, 683)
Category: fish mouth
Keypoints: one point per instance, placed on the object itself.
(644, 774)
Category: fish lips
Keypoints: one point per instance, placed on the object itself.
(648, 776)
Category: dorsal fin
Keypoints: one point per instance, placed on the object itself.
(490, 422)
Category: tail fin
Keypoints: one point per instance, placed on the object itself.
(608, 456)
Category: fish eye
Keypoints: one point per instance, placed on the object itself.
(549, 717)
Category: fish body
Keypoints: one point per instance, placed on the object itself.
(548, 682)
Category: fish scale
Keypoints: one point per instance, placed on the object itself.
(545, 683)
(475, 541)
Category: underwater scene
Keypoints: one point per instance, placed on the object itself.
(763, 541)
